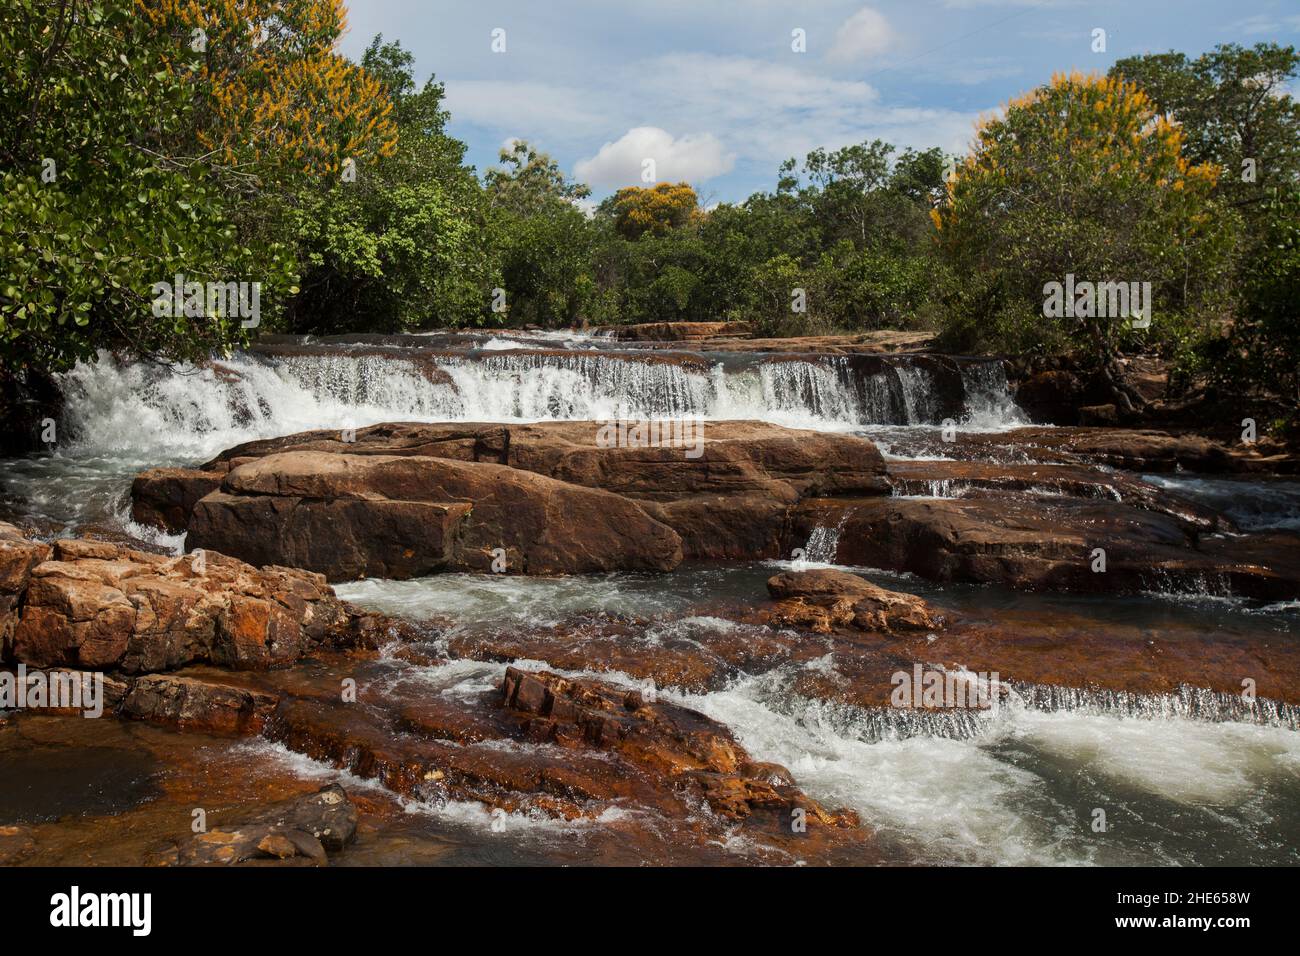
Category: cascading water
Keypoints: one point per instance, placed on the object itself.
(122, 417)
(194, 412)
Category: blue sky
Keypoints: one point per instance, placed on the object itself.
(715, 94)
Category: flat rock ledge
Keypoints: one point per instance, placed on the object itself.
(404, 500)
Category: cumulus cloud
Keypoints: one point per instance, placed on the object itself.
(864, 35)
(691, 158)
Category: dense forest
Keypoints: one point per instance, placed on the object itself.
(229, 141)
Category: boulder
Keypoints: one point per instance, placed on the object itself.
(823, 600)
(301, 830)
(352, 516)
(729, 501)
(97, 605)
(18, 556)
(187, 703)
(164, 497)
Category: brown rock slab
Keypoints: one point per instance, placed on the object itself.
(101, 606)
(187, 703)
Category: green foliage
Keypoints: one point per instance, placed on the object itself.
(541, 237)
(1088, 176)
(405, 244)
(1258, 355)
(91, 215)
(1231, 106)
(1080, 178)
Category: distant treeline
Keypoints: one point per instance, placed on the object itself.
(145, 139)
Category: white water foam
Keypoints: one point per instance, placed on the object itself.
(186, 413)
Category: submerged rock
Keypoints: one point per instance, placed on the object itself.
(301, 830)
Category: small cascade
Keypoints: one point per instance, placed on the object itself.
(824, 543)
(875, 724)
(987, 397)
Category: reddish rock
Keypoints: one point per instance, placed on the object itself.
(956, 479)
(187, 703)
(352, 516)
(677, 331)
(18, 557)
(300, 830)
(823, 600)
(1042, 544)
(102, 606)
(164, 497)
(729, 503)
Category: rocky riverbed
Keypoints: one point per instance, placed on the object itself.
(402, 602)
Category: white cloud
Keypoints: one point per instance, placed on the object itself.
(864, 35)
(692, 158)
(522, 105)
(768, 111)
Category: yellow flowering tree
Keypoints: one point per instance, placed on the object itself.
(654, 209)
(275, 97)
(1081, 177)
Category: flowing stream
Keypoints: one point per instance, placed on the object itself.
(1188, 781)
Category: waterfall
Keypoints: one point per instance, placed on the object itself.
(988, 398)
(119, 407)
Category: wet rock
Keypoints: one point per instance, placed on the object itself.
(66, 692)
(824, 600)
(187, 703)
(18, 556)
(304, 829)
(1043, 544)
(1051, 395)
(686, 748)
(352, 516)
(677, 331)
(728, 500)
(101, 606)
(1145, 449)
(1098, 415)
(562, 748)
(963, 479)
(164, 497)
(17, 843)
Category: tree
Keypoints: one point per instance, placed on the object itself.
(405, 242)
(1081, 177)
(543, 239)
(528, 180)
(1234, 111)
(653, 209)
(93, 211)
(274, 98)
(1258, 355)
